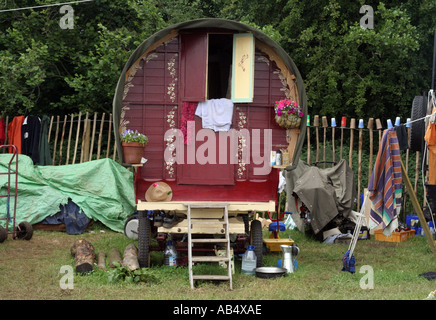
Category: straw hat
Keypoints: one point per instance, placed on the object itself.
(159, 191)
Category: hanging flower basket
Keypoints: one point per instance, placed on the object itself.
(288, 114)
(133, 144)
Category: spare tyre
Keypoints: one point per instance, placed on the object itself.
(417, 128)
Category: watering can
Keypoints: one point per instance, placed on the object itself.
(288, 253)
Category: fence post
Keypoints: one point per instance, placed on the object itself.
(77, 137)
(316, 125)
(350, 155)
(62, 140)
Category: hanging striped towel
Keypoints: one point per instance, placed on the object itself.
(385, 187)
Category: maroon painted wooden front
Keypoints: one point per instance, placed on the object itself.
(166, 78)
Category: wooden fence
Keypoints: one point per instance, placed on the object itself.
(75, 140)
(84, 137)
(81, 137)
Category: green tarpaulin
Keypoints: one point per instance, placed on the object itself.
(103, 189)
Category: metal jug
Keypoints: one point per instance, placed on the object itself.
(288, 253)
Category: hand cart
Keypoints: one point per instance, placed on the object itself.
(24, 230)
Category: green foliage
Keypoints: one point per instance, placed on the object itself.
(124, 274)
(133, 136)
(348, 71)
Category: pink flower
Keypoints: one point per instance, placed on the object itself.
(279, 113)
(155, 185)
(300, 114)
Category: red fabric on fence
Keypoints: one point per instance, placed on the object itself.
(14, 133)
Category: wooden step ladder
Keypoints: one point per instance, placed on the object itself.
(227, 258)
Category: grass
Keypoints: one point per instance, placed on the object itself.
(31, 270)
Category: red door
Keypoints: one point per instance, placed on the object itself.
(202, 162)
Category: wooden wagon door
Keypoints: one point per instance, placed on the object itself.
(194, 60)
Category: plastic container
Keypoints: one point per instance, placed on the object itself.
(170, 255)
(412, 220)
(278, 158)
(395, 237)
(249, 261)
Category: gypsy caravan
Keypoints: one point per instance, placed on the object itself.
(204, 92)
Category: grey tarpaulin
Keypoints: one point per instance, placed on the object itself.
(232, 26)
(325, 192)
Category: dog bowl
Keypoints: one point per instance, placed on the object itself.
(269, 272)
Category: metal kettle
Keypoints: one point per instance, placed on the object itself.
(288, 253)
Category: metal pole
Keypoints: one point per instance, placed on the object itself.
(434, 60)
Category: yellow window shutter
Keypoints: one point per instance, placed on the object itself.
(243, 67)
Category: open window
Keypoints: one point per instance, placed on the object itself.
(217, 65)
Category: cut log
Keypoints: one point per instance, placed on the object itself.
(130, 259)
(101, 260)
(114, 256)
(84, 256)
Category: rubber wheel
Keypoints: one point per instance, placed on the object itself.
(144, 240)
(131, 227)
(24, 231)
(256, 239)
(417, 129)
(3, 234)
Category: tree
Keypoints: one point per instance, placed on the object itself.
(47, 69)
(350, 71)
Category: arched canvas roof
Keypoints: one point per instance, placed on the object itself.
(210, 23)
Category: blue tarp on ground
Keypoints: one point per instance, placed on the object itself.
(72, 216)
(103, 189)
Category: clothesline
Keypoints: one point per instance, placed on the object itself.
(45, 6)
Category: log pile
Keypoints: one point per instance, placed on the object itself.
(84, 256)
(114, 256)
(130, 259)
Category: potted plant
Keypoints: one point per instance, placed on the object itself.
(133, 143)
(288, 114)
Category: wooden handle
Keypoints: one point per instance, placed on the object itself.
(370, 123)
(378, 124)
(316, 121)
(324, 122)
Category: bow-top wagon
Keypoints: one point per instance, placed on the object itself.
(204, 93)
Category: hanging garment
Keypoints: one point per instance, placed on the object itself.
(2, 131)
(30, 132)
(188, 113)
(14, 133)
(44, 147)
(430, 137)
(403, 139)
(216, 114)
(385, 186)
